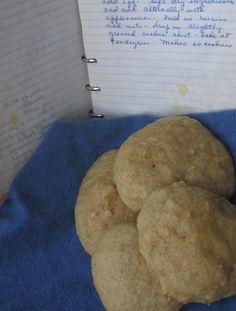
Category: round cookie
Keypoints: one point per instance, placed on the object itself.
(187, 236)
(121, 276)
(99, 206)
(169, 150)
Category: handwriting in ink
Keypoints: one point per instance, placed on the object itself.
(135, 24)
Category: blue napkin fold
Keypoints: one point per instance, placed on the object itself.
(42, 263)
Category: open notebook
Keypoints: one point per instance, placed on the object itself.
(153, 56)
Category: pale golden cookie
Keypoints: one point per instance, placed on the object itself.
(99, 206)
(187, 236)
(121, 276)
(169, 150)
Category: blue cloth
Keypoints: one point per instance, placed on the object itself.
(42, 263)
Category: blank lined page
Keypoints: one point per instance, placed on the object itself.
(41, 76)
(161, 56)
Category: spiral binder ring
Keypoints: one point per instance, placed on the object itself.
(88, 60)
(95, 115)
(92, 88)
(88, 86)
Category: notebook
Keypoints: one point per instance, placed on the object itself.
(163, 57)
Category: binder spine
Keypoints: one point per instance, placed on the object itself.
(91, 88)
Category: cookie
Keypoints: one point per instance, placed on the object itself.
(99, 206)
(121, 276)
(187, 236)
(169, 150)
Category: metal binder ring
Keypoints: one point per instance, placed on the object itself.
(95, 115)
(92, 88)
(88, 60)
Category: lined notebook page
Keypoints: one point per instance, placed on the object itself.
(41, 75)
(161, 56)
